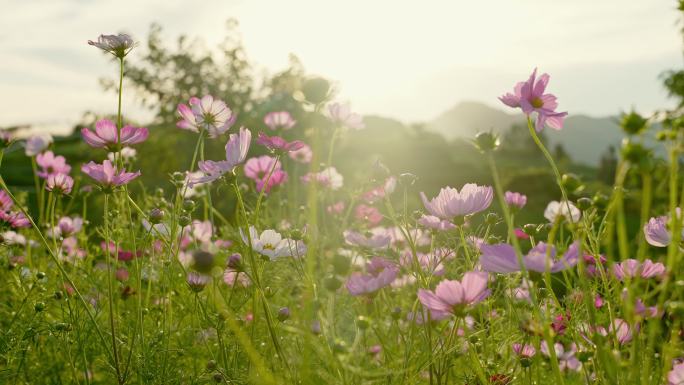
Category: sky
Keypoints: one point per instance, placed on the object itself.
(410, 60)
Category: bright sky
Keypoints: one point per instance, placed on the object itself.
(410, 60)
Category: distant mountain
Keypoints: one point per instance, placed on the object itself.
(584, 138)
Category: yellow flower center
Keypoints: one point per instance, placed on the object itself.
(537, 103)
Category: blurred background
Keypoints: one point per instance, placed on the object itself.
(426, 76)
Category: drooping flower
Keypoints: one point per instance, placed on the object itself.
(302, 155)
(530, 97)
(272, 245)
(59, 183)
(631, 268)
(279, 120)
(118, 45)
(37, 144)
(556, 210)
(276, 143)
(377, 238)
(379, 273)
(327, 178)
(566, 357)
(501, 258)
(450, 202)
(107, 136)
(341, 115)
(515, 199)
(451, 296)
(51, 164)
(107, 175)
(236, 152)
(209, 114)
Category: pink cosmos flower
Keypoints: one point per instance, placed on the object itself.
(656, 231)
(234, 278)
(450, 202)
(524, 351)
(381, 191)
(450, 296)
(59, 183)
(6, 203)
(501, 258)
(530, 97)
(118, 45)
(106, 135)
(368, 214)
(341, 115)
(676, 375)
(380, 273)
(566, 357)
(208, 114)
(279, 119)
(620, 328)
(107, 175)
(51, 164)
(67, 226)
(328, 178)
(515, 199)
(15, 219)
(37, 144)
(376, 238)
(631, 268)
(433, 222)
(236, 152)
(430, 263)
(70, 252)
(302, 155)
(520, 234)
(276, 143)
(336, 208)
(258, 170)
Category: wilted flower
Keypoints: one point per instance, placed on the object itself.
(51, 164)
(59, 183)
(279, 119)
(380, 273)
(37, 144)
(515, 199)
(376, 239)
(501, 258)
(272, 245)
(302, 155)
(450, 203)
(328, 178)
(530, 97)
(451, 296)
(276, 143)
(107, 175)
(118, 45)
(236, 152)
(341, 115)
(555, 210)
(107, 136)
(207, 114)
(631, 268)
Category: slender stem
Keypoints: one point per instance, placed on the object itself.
(110, 289)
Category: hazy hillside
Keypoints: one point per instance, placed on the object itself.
(584, 138)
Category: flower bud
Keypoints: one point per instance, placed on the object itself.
(487, 141)
(316, 90)
(339, 346)
(332, 283)
(600, 200)
(235, 262)
(184, 220)
(491, 218)
(211, 365)
(572, 183)
(530, 229)
(156, 215)
(39, 306)
(283, 314)
(407, 179)
(584, 203)
(633, 123)
(396, 313)
(189, 205)
(40, 275)
(203, 261)
(362, 322)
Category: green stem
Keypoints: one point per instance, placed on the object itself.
(110, 288)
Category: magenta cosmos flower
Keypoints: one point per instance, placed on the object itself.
(380, 273)
(236, 152)
(501, 258)
(258, 169)
(59, 183)
(276, 143)
(207, 114)
(51, 164)
(450, 297)
(515, 199)
(106, 135)
(530, 97)
(341, 115)
(450, 202)
(279, 120)
(631, 268)
(107, 175)
(302, 155)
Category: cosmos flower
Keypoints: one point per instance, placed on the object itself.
(530, 97)
(556, 210)
(676, 375)
(107, 175)
(631, 268)
(128, 154)
(302, 155)
(566, 357)
(197, 281)
(51, 164)
(272, 245)
(450, 202)
(501, 258)
(515, 199)
(656, 231)
(6, 203)
(279, 120)
(258, 170)
(276, 143)
(369, 214)
(524, 351)
(207, 114)
(327, 178)
(15, 219)
(59, 183)
(450, 296)
(236, 152)
(435, 223)
(37, 144)
(341, 115)
(118, 45)
(107, 136)
(376, 238)
(379, 273)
